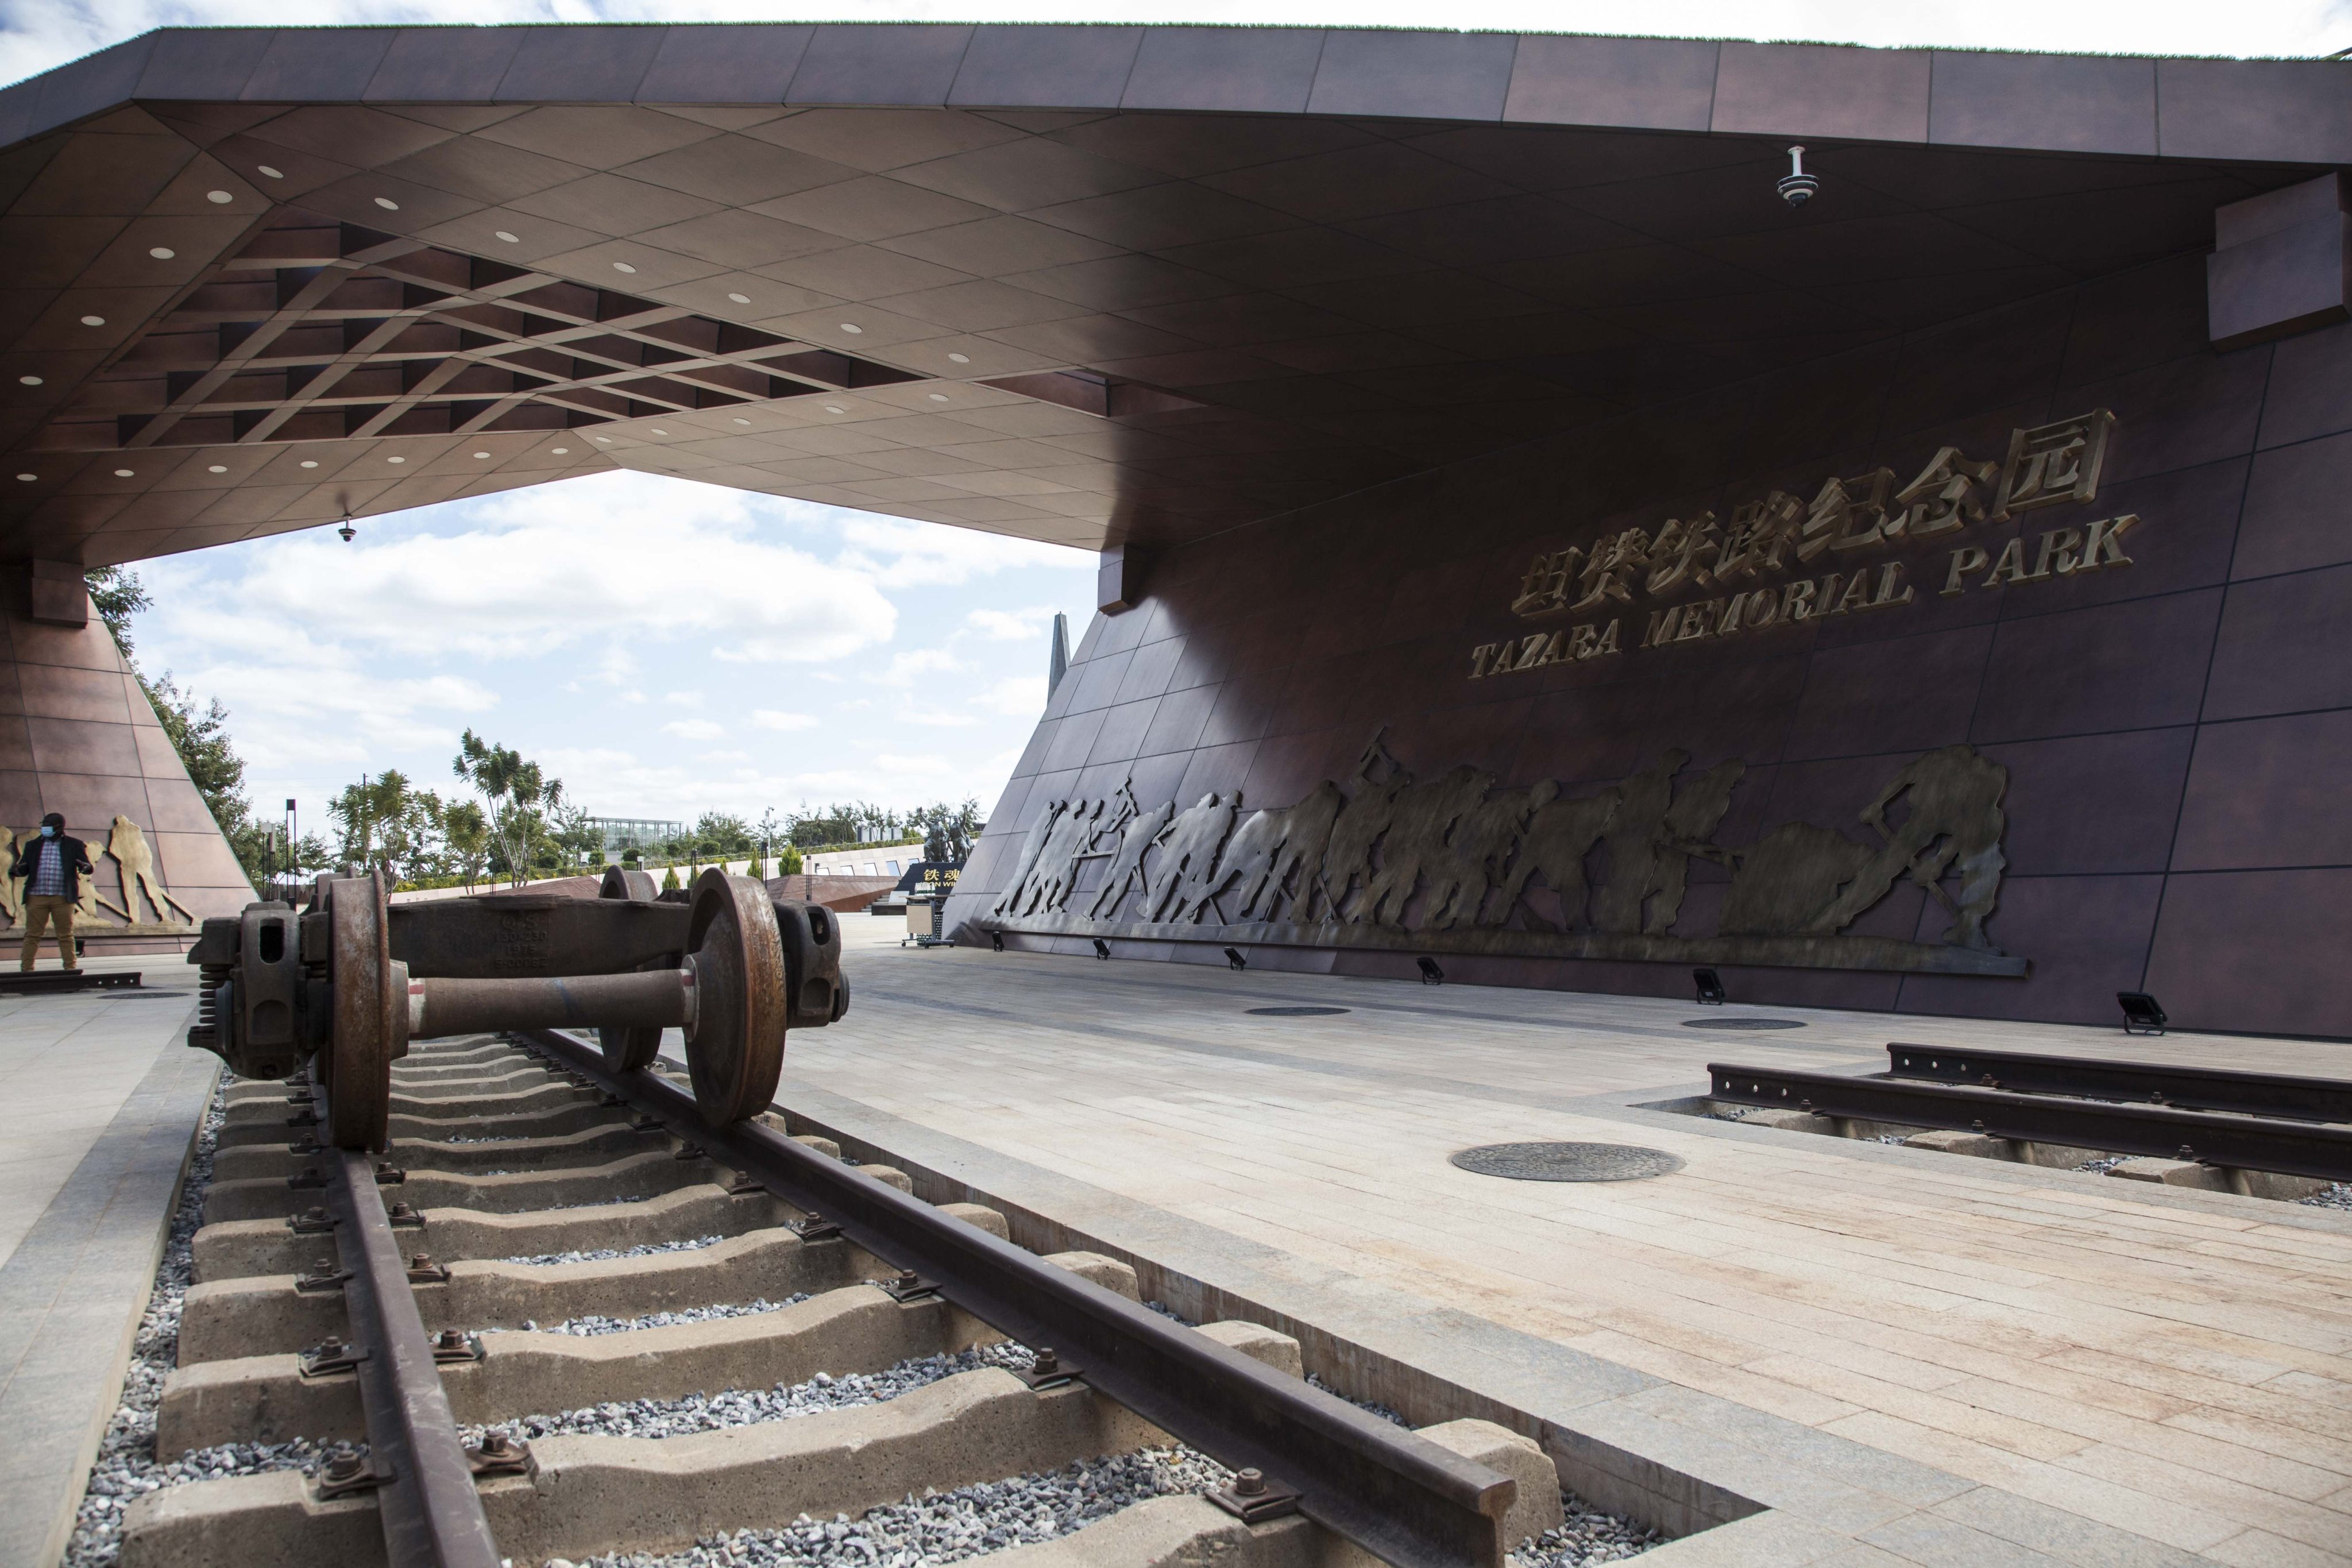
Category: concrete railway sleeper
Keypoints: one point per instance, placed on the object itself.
(868, 1308)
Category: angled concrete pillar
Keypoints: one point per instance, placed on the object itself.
(78, 737)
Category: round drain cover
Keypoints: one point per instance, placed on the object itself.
(1744, 1025)
(1568, 1162)
(1295, 1012)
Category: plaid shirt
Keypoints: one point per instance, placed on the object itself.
(48, 880)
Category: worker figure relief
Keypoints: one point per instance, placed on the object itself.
(141, 885)
(1457, 861)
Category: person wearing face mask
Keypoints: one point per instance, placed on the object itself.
(52, 866)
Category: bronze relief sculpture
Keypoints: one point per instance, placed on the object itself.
(1450, 864)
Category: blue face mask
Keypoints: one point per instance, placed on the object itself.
(48, 832)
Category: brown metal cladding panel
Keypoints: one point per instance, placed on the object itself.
(1905, 696)
(1098, 680)
(2310, 391)
(2189, 524)
(2131, 666)
(425, 64)
(2088, 939)
(1177, 723)
(579, 63)
(2291, 111)
(193, 861)
(2093, 803)
(1060, 66)
(92, 697)
(203, 63)
(1121, 740)
(1416, 74)
(88, 85)
(2256, 951)
(20, 799)
(329, 63)
(879, 65)
(1814, 90)
(175, 807)
(1074, 739)
(15, 744)
(89, 801)
(1225, 70)
(2268, 792)
(158, 759)
(75, 745)
(1214, 770)
(724, 64)
(2186, 412)
(2077, 102)
(2281, 645)
(2294, 509)
(1661, 84)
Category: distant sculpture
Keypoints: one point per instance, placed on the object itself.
(1457, 857)
(12, 896)
(129, 846)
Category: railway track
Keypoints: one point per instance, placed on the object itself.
(2267, 1122)
(522, 1296)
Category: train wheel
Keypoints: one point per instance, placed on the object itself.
(735, 1046)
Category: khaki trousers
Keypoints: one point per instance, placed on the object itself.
(45, 910)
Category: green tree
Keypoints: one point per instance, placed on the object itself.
(200, 735)
(388, 822)
(117, 593)
(465, 838)
(669, 879)
(949, 831)
(721, 835)
(517, 795)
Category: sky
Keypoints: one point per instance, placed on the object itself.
(667, 647)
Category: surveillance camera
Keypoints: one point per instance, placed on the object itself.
(1797, 187)
(348, 532)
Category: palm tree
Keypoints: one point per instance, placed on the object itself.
(516, 792)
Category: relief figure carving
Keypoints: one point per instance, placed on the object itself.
(1449, 863)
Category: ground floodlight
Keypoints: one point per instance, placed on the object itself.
(2141, 1015)
(1710, 988)
(1430, 974)
(1102, 948)
(996, 942)
(1234, 959)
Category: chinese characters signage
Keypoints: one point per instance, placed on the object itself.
(1749, 562)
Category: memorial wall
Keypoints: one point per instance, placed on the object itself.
(1988, 671)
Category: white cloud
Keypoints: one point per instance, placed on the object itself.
(609, 557)
(948, 720)
(906, 668)
(1020, 696)
(907, 553)
(682, 699)
(925, 766)
(770, 718)
(726, 756)
(1011, 626)
(695, 729)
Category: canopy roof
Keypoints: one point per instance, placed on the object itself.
(1091, 285)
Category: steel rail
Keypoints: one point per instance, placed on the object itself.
(2198, 1089)
(1388, 1489)
(2215, 1138)
(425, 1497)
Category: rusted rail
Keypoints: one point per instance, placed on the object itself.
(2155, 1083)
(2294, 1148)
(1397, 1494)
(423, 1480)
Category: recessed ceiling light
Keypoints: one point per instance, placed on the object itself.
(661, 432)
(622, 267)
(834, 408)
(163, 252)
(219, 198)
(30, 379)
(270, 172)
(395, 459)
(124, 473)
(387, 204)
(216, 468)
(741, 299)
(739, 420)
(479, 455)
(93, 321)
(602, 440)
(561, 451)
(938, 398)
(310, 463)
(509, 239)
(29, 478)
(961, 359)
(851, 327)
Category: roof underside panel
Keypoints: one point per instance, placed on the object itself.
(1085, 285)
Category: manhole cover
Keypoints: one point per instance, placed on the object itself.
(1568, 1162)
(1295, 1012)
(1743, 1026)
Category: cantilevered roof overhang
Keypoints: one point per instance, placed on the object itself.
(1091, 285)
